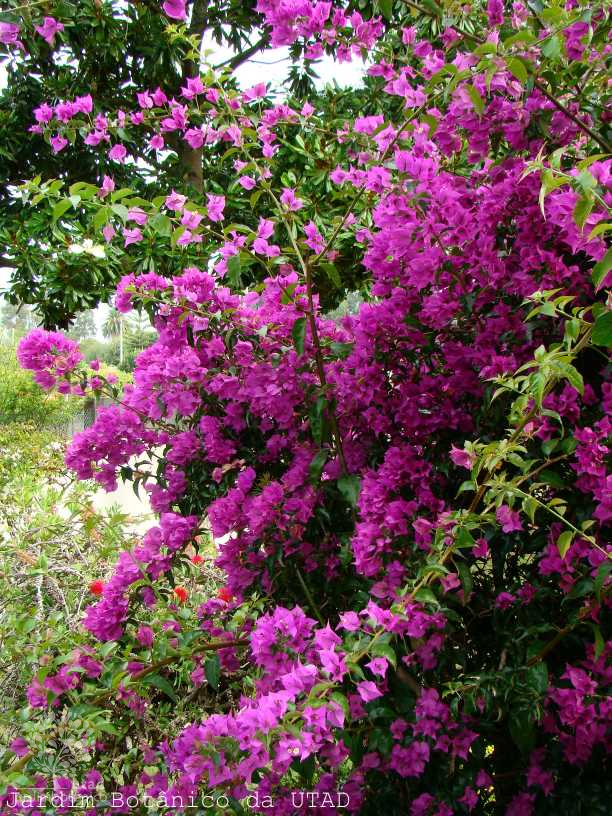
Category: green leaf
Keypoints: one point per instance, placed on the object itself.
(425, 595)
(117, 195)
(317, 465)
(485, 49)
(316, 417)
(332, 274)
(342, 702)
(466, 579)
(61, 207)
(537, 677)
(551, 477)
(386, 8)
(524, 36)
(550, 182)
(564, 541)
(603, 226)
(287, 296)
(162, 225)
(384, 650)
(522, 730)
(575, 378)
(431, 122)
(212, 669)
(477, 100)
(602, 573)
(463, 537)
(234, 271)
(341, 350)
(121, 211)
(552, 47)
(583, 208)
(101, 217)
(530, 506)
(599, 641)
(106, 727)
(602, 330)
(601, 269)
(298, 332)
(517, 68)
(160, 683)
(349, 486)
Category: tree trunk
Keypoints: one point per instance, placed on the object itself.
(190, 158)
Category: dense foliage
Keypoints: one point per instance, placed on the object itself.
(412, 503)
(111, 49)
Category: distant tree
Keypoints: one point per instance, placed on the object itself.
(113, 324)
(84, 326)
(17, 318)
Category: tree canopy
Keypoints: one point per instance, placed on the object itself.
(408, 498)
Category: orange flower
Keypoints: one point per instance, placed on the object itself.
(181, 593)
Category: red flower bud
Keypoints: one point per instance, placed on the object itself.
(224, 594)
(96, 587)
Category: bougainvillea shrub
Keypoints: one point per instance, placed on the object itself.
(411, 503)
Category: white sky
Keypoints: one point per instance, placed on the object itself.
(270, 66)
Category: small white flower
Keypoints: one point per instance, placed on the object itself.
(88, 246)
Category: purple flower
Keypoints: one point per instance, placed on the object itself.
(314, 239)
(50, 355)
(58, 143)
(107, 186)
(117, 153)
(462, 458)
(378, 666)
(108, 231)
(215, 207)
(247, 182)
(510, 520)
(175, 9)
(504, 600)
(350, 621)
(138, 216)
(495, 12)
(289, 199)
(450, 581)
(132, 236)
(368, 690)
(9, 34)
(410, 761)
(175, 201)
(145, 636)
(481, 549)
(49, 29)
(19, 747)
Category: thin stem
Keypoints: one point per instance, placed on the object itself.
(572, 116)
(542, 467)
(205, 647)
(308, 594)
(548, 647)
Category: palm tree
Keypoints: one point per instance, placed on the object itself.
(113, 325)
(113, 328)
